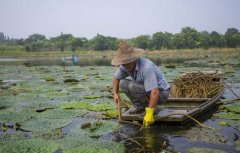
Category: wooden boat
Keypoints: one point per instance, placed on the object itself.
(178, 109)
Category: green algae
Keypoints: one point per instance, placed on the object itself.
(30, 146)
(44, 124)
(204, 150)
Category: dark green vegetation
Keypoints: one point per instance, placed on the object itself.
(188, 38)
(52, 108)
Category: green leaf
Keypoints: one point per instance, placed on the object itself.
(42, 125)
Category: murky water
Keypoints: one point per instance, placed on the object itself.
(24, 86)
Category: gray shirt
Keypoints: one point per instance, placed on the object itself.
(146, 72)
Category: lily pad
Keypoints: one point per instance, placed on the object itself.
(86, 105)
(112, 113)
(92, 97)
(29, 145)
(204, 150)
(42, 125)
(99, 128)
(49, 78)
(59, 113)
(229, 115)
(54, 94)
(16, 115)
(197, 134)
(88, 149)
(238, 145)
(234, 108)
(73, 142)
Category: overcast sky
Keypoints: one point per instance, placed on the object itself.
(117, 18)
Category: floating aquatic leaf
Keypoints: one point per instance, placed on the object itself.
(42, 125)
(6, 137)
(74, 142)
(92, 97)
(29, 145)
(197, 134)
(234, 108)
(238, 145)
(16, 115)
(41, 106)
(59, 113)
(234, 123)
(204, 150)
(49, 78)
(99, 128)
(86, 105)
(112, 113)
(229, 115)
(53, 134)
(54, 94)
(88, 149)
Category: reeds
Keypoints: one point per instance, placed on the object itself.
(197, 85)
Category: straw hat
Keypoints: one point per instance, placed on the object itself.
(126, 53)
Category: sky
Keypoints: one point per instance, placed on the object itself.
(116, 18)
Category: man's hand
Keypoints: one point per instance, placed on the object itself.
(116, 99)
(148, 118)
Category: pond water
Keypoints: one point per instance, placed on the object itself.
(71, 109)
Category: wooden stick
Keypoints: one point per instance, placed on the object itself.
(119, 111)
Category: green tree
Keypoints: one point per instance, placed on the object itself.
(232, 36)
(62, 41)
(99, 42)
(216, 39)
(204, 40)
(76, 43)
(161, 40)
(2, 37)
(142, 41)
(35, 42)
(191, 37)
(178, 41)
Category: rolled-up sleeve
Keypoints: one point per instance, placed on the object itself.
(149, 79)
(120, 74)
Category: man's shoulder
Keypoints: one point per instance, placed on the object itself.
(146, 63)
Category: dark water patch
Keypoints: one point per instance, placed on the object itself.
(182, 145)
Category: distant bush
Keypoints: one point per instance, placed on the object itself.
(11, 48)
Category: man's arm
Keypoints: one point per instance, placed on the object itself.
(153, 98)
(115, 90)
(148, 118)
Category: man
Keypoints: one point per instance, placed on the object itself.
(147, 86)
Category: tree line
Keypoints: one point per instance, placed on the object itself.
(188, 38)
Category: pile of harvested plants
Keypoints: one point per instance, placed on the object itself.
(197, 85)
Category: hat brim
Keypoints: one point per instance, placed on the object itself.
(127, 58)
